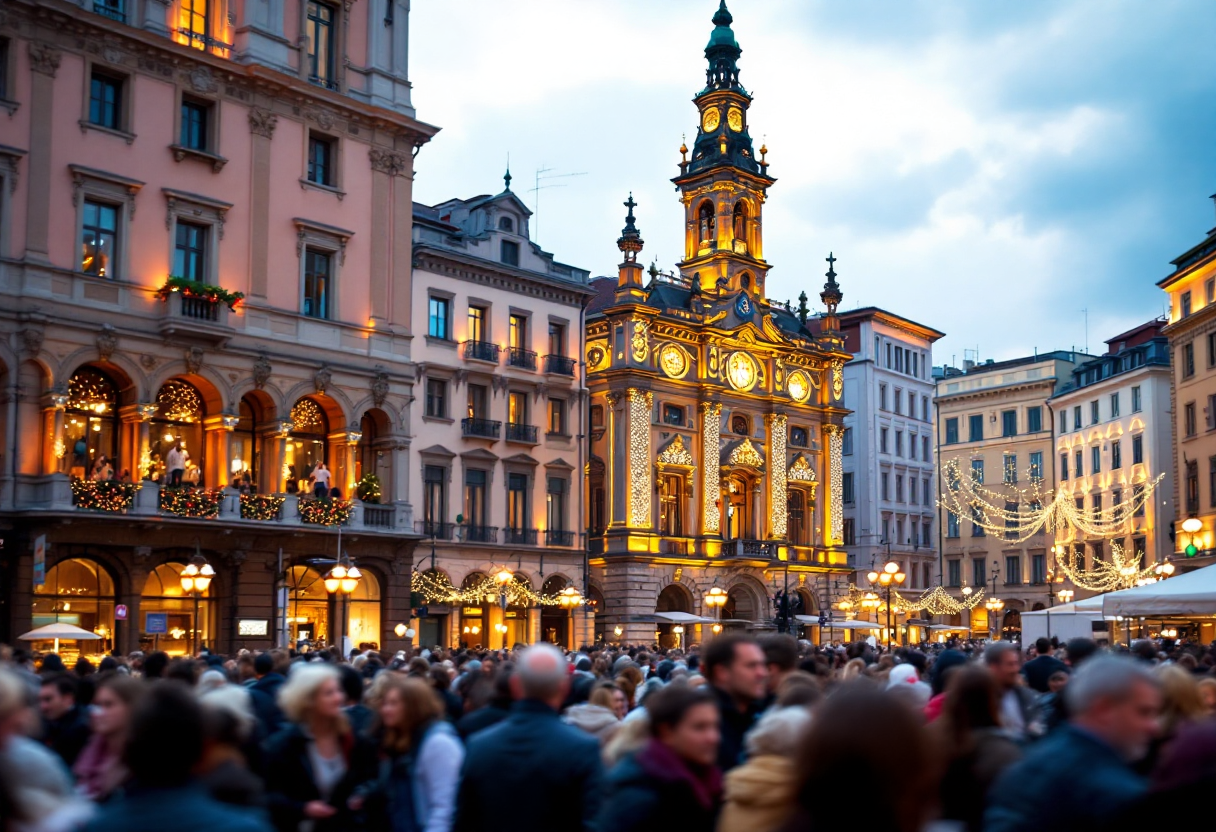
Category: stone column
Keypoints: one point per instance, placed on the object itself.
(640, 493)
(44, 63)
(711, 488)
(387, 167)
(777, 425)
(833, 521)
(261, 127)
(217, 441)
(54, 447)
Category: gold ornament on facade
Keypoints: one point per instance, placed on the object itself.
(802, 472)
(673, 360)
(734, 119)
(798, 385)
(640, 403)
(745, 453)
(837, 379)
(640, 344)
(596, 358)
(676, 454)
(778, 430)
(741, 371)
(711, 431)
(710, 119)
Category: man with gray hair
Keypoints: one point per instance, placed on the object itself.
(531, 759)
(1080, 778)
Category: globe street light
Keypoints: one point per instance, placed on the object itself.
(1065, 595)
(1192, 526)
(196, 577)
(340, 581)
(890, 577)
(994, 606)
(715, 599)
(503, 577)
(570, 598)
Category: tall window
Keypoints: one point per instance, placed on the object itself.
(477, 323)
(954, 571)
(977, 471)
(321, 161)
(1078, 459)
(190, 251)
(1116, 455)
(846, 442)
(509, 252)
(899, 443)
(899, 401)
(1138, 449)
(1185, 303)
(883, 435)
(320, 31)
(1188, 413)
(192, 22)
(846, 488)
(105, 100)
(1011, 469)
(1188, 360)
(555, 519)
(318, 274)
(975, 426)
(1009, 423)
(1136, 400)
(850, 532)
(517, 501)
(1114, 405)
(796, 511)
(978, 576)
(517, 408)
(1076, 417)
(557, 339)
(899, 488)
(1013, 569)
(671, 502)
(477, 402)
(434, 497)
(557, 416)
(952, 431)
(195, 130)
(438, 318)
(1038, 569)
(475, 497)
(1095, 459)
(1034, 419)
(1064, 465)
(884, 480)
(926, 493)
(882, 397)
(99, 243)
(519, 332)
(951, 525)
(1063, 421)
(977, 517)
(436, 398)
(1093, 412)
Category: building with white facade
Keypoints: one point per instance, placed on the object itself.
(1113, 437)
(889, 475)
(498, 422)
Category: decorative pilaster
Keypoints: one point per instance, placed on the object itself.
(711, 488)
(778, 425)
(261, 126)
(835, 501)
(640, 404)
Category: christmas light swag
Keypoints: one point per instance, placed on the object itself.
(261, 506)
(106, 495)
(1123, 570)
(325, 512)
(191, 502)
(194, 289)
(368, 488)
(435, 588)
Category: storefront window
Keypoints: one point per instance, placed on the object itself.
(164, 602)
(244, 449)
(79, 592)
(178, 423)
(364, 617)
(307, 608)
(308, 446)
(90, 425)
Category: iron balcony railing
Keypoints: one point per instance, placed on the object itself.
(433, 528)
(521, 537)
(521, 433)
(481, 351)
(485, 428)
(559, 365)
(556, 537)
(481, 534)
(519, 357)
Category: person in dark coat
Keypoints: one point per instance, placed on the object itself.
(165, 744)
(65, 724)
(265, 693)
(531, 753)
(672, 782)
(736, 669)
(489, 703)
(1039, 669)
(359, 715)
(314, 766)
(1114, 705)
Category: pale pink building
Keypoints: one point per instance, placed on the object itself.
(261, 147)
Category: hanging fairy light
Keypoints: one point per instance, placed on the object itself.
(1121, 571)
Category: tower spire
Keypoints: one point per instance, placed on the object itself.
(629, 281)
(722, 53)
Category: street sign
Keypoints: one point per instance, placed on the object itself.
(40, 560)
(120, 612)
(156, 623)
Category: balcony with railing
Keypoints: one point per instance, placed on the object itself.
(559, 365)
(378, 516)
(557, 537)
(195, 315)
(517, 432)
(433, 528)
(765, 549)
(483, 428)
(478, 534)
(480, 351)
(520, 537)
(521, 358)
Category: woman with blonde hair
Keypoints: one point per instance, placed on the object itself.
(1182, 705)
(420, 759)
(759, 795)
(314, 764)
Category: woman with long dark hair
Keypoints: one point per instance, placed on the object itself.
(99, 769)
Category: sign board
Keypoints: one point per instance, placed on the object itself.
(40, 560)
(120, 612)
(253, 627)
(156, 623)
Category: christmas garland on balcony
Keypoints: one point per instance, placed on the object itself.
(325, 512)
(191, 502)
(194, 289)
(368, 489)
(261, 506)
(105, 495)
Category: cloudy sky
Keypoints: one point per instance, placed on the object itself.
(987, 168)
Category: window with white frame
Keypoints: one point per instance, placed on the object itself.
(196, 227)
(322, 252)
(104, 204)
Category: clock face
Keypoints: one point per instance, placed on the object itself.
(734, 119)
(741, 371)
(673, 361)
(798, 386)
(710, 119)
(595, 357)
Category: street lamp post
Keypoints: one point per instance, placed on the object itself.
(570, 598)
(502, 578)
(679, 633)
(340, 581)
(715, 599)
(994, 606)
(1192, 526)
(196, 577)
(890, 577)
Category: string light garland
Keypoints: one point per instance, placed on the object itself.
(1121, 571)
(435, 588)
(711, 438)
(90, 390)
(325, 512)
(261, 506)
(778, 426)
(640, 403)
(835, 483)
(306, 417)
(1020, 513)
(105, 495)
(936, 601)
(368, 488)
(178, 401)
(191, 502)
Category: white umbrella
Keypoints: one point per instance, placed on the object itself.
(67, 632)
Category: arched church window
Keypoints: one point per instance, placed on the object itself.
(740, 424)
(740, 220)
(746, 282)
(506, 224)
(705, 221)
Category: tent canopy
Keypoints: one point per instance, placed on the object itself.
(839, 625)
(682, 618)
(1191, 593)
(63, 631)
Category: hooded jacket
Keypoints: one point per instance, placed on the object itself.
(759, 795)
(596, 720)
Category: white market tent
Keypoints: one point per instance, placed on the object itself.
(682, 618)
(1188, 594)
(813, 620)
(1064, 621)
(60, 630)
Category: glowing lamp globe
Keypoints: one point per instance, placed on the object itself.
(1191, 525)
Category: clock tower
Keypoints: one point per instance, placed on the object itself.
(723, 186)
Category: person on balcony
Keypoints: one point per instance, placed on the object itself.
(175, 462)
(320, 478)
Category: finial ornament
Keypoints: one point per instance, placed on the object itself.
(831, 294)
(630, 241)
(507, 178)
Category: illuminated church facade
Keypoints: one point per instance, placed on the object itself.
(716, 415)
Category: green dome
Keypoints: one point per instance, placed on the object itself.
(722, 36)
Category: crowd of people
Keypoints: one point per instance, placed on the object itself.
(737, 735)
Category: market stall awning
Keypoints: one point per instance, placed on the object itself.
(813, 620)
(682, 618)
(949, 628)
(1191, 593)
(61, 631)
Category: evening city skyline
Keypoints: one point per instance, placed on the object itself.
(988, 170)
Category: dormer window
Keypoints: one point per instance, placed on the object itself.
(506, 224)
(510, 252)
